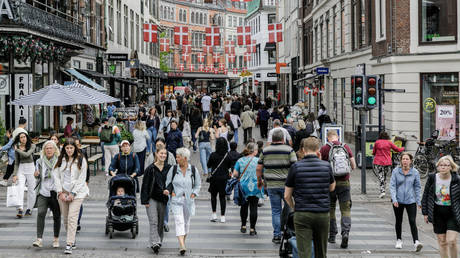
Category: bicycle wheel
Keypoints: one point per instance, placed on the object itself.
(421, 164)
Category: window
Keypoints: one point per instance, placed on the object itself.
(142, 35)
(111, 20)
(131, 27)
(229, 21)
(327, 34)
(438, 21)
(354, 25)
(316, 44)
(362, 24)
(98, 24)
(201, 18)
(342, 26)
(184, 18)
(142, 6)
(76, 64)
(119, 40)
(271, 18)
(380, 18)
(137, 31)
(180, 15)
(272, 57)
(126, 26)
(193, 17)
(234, 21)
(240, 21)
(334, 31)
(90, 66)
(258, 56)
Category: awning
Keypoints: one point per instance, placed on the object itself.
(93, 74)
(307, 77)
(148, 71)
(238, 85)
(269, 46)
(85, 79)
(125, 80)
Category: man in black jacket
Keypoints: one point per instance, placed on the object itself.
(310, 181)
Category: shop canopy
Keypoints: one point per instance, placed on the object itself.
(59, 95)
(85, 79)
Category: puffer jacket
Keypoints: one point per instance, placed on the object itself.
(429, 197)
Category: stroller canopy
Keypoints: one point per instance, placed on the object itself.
(122, 180)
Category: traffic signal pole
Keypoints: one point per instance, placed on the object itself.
(363, 116)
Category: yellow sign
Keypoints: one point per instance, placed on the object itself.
(429, 105)
(245, 74)
(369, 148)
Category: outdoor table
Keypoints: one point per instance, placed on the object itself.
(92, 143)
(39, 144)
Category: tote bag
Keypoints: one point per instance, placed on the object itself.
(12, 196)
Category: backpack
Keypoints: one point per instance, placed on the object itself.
(339, 160)
(106, 134)
(170, 187)
(309, 128)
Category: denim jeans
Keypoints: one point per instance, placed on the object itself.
(153, 136)
(276, 198)
(166, 217)
(235, 137)
(194, 138)
(205, 152)
(295, 253)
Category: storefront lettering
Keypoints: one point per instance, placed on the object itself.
(429, 105)
(22, 88)
(5, 9)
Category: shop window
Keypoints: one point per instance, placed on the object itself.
(89, 66)
(271, 18)
(439, 105)
(438, 21)
(272, 57)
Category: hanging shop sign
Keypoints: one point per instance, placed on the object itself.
(23, 86)
(117, 57)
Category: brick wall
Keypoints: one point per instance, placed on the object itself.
(401, 26)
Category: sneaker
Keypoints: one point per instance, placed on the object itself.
(19, 215)
(74, 245)
(382, 195)
(28, 213)
(331, 239)
(243, 229)
(418, 246)
(166, 228)
(4, 183)
(56, 243)
(214, 217)
(344, 243)
(276, 240)
(38, 243)
(399, 244)
(222, 219)
(68, 249)
(253, 232)
(78, 228)
(156, 248)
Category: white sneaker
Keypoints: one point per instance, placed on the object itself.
(381, 195)
(222, 219)
(399, 244)
(418, 246)
(4, 183)
(214, 217)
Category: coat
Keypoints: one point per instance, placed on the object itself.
(78, 178)
(248, 119)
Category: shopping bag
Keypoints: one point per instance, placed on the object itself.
(149, 160)
(12, 196)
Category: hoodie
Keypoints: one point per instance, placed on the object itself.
(405, 189)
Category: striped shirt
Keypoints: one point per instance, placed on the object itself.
(277, 159)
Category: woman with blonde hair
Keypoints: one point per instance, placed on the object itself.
(204, 144)
(302, 133)
(139, 146)
(441, 205)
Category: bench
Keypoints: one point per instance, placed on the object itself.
(93, 160)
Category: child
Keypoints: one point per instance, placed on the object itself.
(10, 152)
(120, 191)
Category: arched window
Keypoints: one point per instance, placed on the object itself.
(193, 17)
(161, 11)
(201, 18)
(172, 14)
(184, 19)
(166, 13)
(205, 19)
(180, 15)
(219, 21)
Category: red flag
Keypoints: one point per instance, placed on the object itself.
(244, 35)
(201, 67)
(181, 67)
(252, 47)
(181, 35)
(225, 71)
(221, 66)
(242, 1)
(275, 32)
(247, 57)
(164, 45)
(235, 70)
(201, 57)
(150, 33)
(185, 56)
(187, 48)
(216, 57)
(207, 49)
(212, 36)
(231, 58)
(191, 68)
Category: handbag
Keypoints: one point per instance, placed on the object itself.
(208, 179)
(12, 196)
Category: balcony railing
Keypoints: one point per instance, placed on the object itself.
(46, 22)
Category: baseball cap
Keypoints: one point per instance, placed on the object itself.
(124, 141)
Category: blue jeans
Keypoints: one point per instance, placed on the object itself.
(153, 136)
(276, 198)
(205, 152)
(205, 114)
(235, 137)
(166, 217)
(295, 254)
(194, 138)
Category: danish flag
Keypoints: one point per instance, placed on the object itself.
(212, 36)
(225, 71)
(201, 67)
(181, 35)
(207, 69)
(187, 48)
(244, 35)
(231, 58)
(221, 66)
(200, 57)
(207, 49)
(229, 48)
(191, 68)
(252, 47)
(164, 45)
(247, 57)
(216, 57)
(235, 70)
(241, 1)
(150, 33)
(185, 56)
(181, 67)
(275, 32)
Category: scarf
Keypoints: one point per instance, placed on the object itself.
(48, 165)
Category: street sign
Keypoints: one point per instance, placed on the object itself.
(132, 63)
(322, 70)
(4, 85)
(272, 75)
(117, 57)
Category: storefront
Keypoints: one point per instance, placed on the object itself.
(440, 105)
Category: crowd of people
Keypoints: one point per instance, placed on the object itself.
(302, 179)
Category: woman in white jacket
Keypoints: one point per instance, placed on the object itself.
(69, 178)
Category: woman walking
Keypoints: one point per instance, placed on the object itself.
(9, 149)
(301, 134)
(153, 198)
(263, 116)
(245, 170)
(248, 121)
(153, 124)
(204, 143)
(220, 163)
(405, 192)
(24, 169)
(165, 124)
(186, 131)
(141, 138)
(46, 192)
(382, 159)
(183, 183)
(69, 178)
(195, 122)
(110, 136)
(174, 139)
(441, 205)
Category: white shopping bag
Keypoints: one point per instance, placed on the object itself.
(149, 160)
(12, 196)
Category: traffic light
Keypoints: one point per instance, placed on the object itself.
(357, 91)
(372, 92)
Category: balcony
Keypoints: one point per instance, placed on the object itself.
(47, 20)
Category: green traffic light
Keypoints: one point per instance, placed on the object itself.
(371, 100)
(358, 100)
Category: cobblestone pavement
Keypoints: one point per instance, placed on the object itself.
(372, 233)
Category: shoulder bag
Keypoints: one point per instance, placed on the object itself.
(208, 179)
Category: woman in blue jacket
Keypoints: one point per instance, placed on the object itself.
(174, 139)
(126, 162)
(405, 192)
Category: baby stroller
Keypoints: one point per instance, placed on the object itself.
(122, 211)
(287, 226)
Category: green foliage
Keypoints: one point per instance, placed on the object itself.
(164, 56)
(126, 135)
(2, 132)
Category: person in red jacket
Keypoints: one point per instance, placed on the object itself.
(382, 159)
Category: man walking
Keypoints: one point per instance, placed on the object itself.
(205, 105)
(277, 126)
(274, 164)
(341, 158)
(310, 181)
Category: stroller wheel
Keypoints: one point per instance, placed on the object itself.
(133, 232)
(110, 229)
(137, 228)
(106, 226)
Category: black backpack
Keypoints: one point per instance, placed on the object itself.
(107, 134)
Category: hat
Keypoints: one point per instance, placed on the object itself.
(124, 141)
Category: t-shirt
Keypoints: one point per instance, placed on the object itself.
(325, 156)
(287, 136)
(205, 103)
(443, 191)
